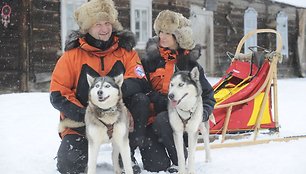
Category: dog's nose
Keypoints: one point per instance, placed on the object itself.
(171, 96)
(100, 92)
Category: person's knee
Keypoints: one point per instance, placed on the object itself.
(140, 99)
(161, 122)
(72, 155)
(139, 109)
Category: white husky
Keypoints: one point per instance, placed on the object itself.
(106, 121)
(185, 115)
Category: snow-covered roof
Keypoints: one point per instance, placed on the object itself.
(297, 3)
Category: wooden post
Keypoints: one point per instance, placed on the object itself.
(275, 97)
(265, 99)
(225, 125)
(24, 45)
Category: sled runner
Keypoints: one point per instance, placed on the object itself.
(247, 94)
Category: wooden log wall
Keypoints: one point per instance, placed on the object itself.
(10, 52)
(229, 29)
(29, 45)
(45, 42)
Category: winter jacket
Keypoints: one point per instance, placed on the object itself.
(69, 87)
(160, 64)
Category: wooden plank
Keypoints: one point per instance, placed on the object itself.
(249, 143)
(227, 118)
(24, 46)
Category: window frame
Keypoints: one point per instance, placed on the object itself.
(281, 15)
(64, 12)
(141, 5)
(250, 14)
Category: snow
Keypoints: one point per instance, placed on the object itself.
(29, 139)
(297, 3)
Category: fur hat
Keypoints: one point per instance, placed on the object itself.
(171, 22)
(93, 11)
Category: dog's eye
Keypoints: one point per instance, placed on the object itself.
(181, 84)
(97, 86)
(107, 86)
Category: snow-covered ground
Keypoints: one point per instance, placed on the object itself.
(29, 139)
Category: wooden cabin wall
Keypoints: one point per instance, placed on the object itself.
(123, 12)
(44, 42)
(229, 29)
(10, 37)
(29, 45)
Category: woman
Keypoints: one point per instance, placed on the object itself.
(173, 48)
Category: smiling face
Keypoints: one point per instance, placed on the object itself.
(104, 92)
(167, 40)
(102, 30)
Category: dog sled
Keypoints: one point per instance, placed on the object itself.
(247, 95)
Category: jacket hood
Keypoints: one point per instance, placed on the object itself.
(126, 39)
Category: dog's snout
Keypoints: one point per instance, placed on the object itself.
(100, 92)
(171, 96)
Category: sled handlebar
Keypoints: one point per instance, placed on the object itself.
(251, 33)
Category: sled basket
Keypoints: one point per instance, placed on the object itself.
(247, 94)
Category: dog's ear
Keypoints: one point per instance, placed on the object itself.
(119, 80)
(90, 80)
(195, 74)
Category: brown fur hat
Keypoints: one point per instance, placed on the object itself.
(175, 23)
(93, 11)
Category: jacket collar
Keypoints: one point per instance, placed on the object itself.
(97, 51)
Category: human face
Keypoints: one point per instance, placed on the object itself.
(167, 40)
(102, 30)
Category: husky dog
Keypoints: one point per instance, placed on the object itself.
(106, 120)
(185, 115)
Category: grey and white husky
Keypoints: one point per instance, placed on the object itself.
(185, 115)
(106, 120)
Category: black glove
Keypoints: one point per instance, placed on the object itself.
(159, 100)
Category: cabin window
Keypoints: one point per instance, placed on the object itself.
(67, 20)
(282, 28)
(250, 24)
(141, 21)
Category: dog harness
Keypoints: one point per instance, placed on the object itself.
(110, 111)
(191, 111)
(110, 129)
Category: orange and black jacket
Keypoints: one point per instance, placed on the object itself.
(161, 63)
(86, 55)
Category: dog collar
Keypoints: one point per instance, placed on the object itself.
(111, 109)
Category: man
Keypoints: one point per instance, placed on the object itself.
(99, 48)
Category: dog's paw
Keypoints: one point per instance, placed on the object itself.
(208, 160)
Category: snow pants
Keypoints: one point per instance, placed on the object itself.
(138, 105)
(72, 154)
(159, 151)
